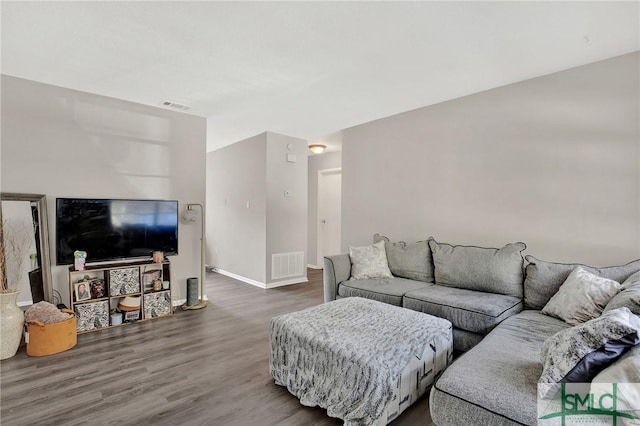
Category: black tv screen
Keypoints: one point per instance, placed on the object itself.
(115, 229)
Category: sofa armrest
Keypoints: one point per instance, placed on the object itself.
(337, 268)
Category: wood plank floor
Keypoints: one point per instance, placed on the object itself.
(204, 367)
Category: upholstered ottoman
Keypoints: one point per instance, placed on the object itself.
(362, 360)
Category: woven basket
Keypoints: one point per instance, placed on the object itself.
(49, 339)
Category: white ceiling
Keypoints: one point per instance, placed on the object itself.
(300, 68)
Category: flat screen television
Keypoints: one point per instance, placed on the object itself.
(115, 229)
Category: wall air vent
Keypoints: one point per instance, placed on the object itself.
(175, 105)
(285, 265)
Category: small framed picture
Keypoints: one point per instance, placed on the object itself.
(82, 291)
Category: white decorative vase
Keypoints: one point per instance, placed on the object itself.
(11, 323)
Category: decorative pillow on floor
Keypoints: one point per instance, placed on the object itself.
(581, 297)
(578, 354)
(369, 262)
(628, 297)
(412, 261)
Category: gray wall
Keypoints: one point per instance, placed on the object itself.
(236, 235)
(286, 216)
(241, 240)
(330, 160)
(66, 143)
(552, 161)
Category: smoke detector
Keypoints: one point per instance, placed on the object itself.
(175, 105)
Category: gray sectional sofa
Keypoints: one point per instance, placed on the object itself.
(475, 288)
(493, 298)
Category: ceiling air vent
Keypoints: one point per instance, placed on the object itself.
(175, 105)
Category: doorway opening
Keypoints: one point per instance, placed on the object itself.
(329, 212)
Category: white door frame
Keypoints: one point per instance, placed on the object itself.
(319, 208)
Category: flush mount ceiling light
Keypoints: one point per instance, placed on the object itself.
(317, 148)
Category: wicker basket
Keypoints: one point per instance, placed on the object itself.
(49, 339)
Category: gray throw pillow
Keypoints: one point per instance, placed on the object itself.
(490, 270)
(543, 279)
(369, 262)
(412, 261)
(578, 354)
(629, 296)
(581, 297)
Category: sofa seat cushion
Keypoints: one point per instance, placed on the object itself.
(464, 340)
(469, 310)
(387, 290)
(505, 389)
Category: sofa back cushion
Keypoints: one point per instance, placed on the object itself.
(629, 296)
(412, 261)
(490, 270)
(543, 279)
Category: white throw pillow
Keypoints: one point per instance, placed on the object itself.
(625, 373)
(581, 297)
(369, 262)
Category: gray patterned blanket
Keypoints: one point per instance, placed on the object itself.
(346, 354)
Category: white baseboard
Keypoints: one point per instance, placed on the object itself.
(260, 284)
(179, 302)
(300, 280)
(314, 266)
(174, 302)
(240, 278)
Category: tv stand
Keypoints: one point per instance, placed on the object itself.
(98, 292)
